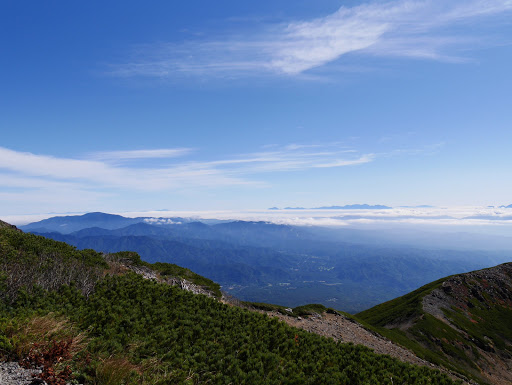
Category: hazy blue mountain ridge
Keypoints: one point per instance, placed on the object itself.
(346, 269)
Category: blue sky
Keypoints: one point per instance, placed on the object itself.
(228, 105)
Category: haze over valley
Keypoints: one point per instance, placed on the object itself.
(349, 269)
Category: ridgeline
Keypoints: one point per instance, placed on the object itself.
(463, 322)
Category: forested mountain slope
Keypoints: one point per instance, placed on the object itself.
(463, 322)
(85, 317)
(266, 262)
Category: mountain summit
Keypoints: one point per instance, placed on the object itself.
(70, 223)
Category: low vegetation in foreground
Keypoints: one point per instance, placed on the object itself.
(81, 318)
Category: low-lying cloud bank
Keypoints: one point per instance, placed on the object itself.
(492, 220)
(340, 217)
(445, 219)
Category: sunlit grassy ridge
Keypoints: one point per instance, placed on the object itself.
(470, 334)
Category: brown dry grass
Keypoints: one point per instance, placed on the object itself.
(115, 371)
(44, 330)
(48, 341)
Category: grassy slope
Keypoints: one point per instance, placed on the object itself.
(478, 324)
(130, 330)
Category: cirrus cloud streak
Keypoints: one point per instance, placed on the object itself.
(428, 29)
(103, 173)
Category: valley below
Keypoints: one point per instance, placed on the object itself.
(349, 270)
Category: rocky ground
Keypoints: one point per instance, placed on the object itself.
(342, 328)
(11, 373)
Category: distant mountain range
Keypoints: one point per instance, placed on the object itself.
(346, 269)
(355, 207)
(346, 207)
(70, 223)
(500, 207)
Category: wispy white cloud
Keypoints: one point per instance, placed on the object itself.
(339, 163)
(104, 172)
(403, 28)
(142, 154)
(295, 158)
(29, 164)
